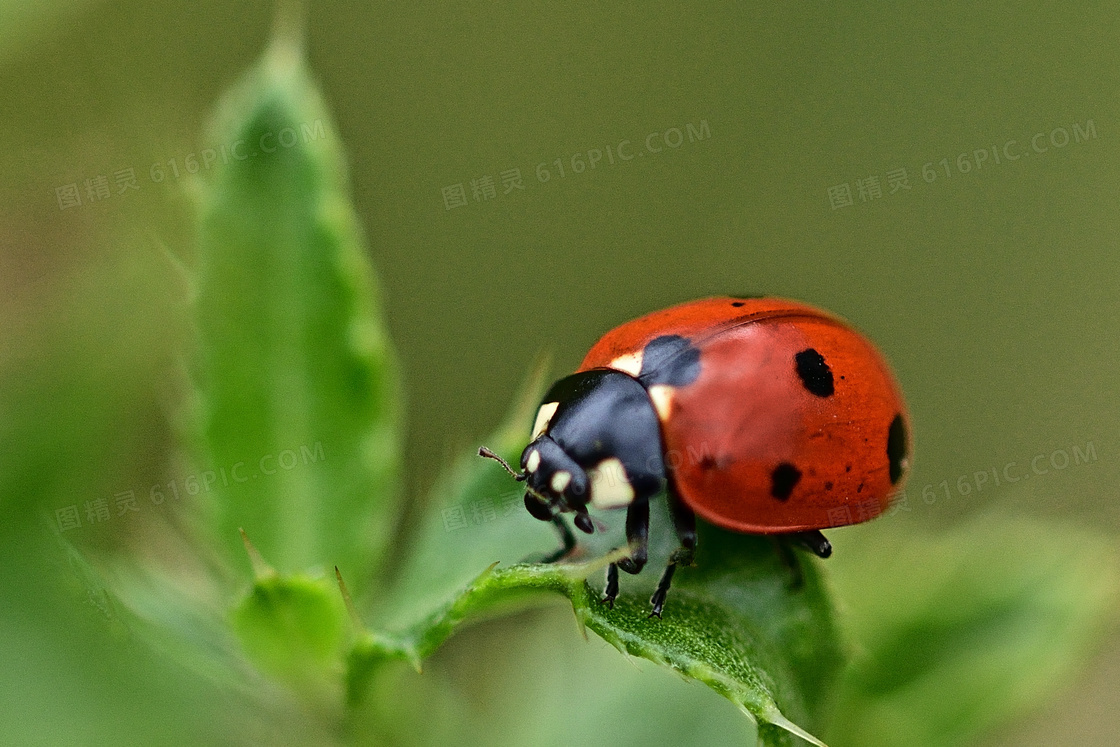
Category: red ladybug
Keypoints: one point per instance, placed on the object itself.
(760, 415)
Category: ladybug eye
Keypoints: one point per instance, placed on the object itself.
(537, 508)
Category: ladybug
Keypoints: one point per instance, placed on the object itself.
(759, 415)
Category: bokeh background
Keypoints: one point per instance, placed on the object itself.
(844, 154)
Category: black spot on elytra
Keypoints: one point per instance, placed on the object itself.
(828, 485)
(669, 359)
(814, 372)
(896, 447)
(707, 462)
(783, 479)
(737, 304)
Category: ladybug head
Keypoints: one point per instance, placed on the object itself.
(556, 484)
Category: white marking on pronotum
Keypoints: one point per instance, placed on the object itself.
(610, 486)
(544, 415)
(631, 363)
(533, 461)
(560, 480)
(662, 396)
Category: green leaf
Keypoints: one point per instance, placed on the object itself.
(291, 627)
(703, 637)
(734, 621)
(961, 631)
(532, 680)
(299, 395)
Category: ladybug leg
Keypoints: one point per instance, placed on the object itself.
(567, 539)
(813, 541)
(611, 592)
(637, 536)
(684, 521)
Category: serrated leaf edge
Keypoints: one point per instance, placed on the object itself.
(422, 639)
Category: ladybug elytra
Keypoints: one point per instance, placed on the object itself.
(759, 415)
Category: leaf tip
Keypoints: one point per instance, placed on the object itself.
(348, 600)
(581, 571)
(261, 568)
(288, 29)
(415, 660)
(581, 620)
(775, 717)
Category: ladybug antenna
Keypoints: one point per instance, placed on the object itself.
(484, 452)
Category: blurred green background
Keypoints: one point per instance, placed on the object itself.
(991, 288)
